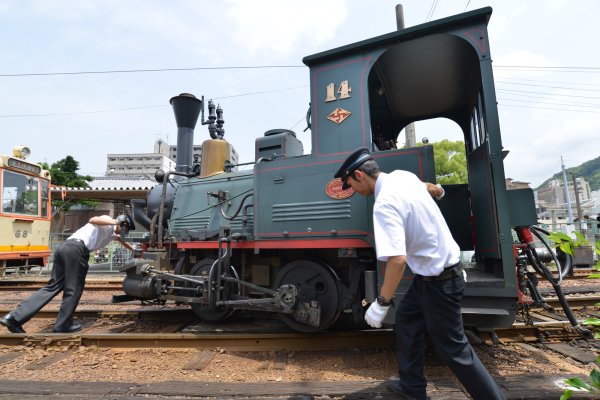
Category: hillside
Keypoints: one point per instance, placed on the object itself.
(589, 170)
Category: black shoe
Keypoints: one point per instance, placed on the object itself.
(393, 385)
(11, 324)
(73, 328)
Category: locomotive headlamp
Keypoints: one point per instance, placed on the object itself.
(21, 152)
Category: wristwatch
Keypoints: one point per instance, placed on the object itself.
(381, 301)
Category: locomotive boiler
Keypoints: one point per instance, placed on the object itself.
(283, 237)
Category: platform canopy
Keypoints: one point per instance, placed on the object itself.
(106, 189)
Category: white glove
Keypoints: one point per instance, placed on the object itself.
(443, 192)
(465, 275)
(375, 314)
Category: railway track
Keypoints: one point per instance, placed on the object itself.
(11, 285)
(115, 283)
(144, 326)
(177, 328)
(581, 298)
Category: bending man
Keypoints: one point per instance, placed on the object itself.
(409, 228)
(69, 270)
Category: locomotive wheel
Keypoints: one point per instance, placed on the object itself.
(313, 282)
(202, 268)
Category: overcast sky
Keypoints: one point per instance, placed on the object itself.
(545, 54)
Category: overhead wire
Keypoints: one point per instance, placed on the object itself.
(531, 68)
(549, 94)
(431, 10)
(587, 70)
(547, 108)
(539, 97)
(553, 81)
(142, 107)
(596, 106)
(575, 68)
(127, 71)
(500, 82)
(79, 112)
(546, 86)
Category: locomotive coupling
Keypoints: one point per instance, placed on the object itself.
(140, 282)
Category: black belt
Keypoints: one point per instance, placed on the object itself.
(447, 273)
(78, 241)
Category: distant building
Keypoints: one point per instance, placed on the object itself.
(137, 164)
(552, 197)
(595, 195)
(145, 164)
(554, 192)
(197, 152)
(512, 184)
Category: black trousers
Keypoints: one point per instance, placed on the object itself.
(434, 307)
(68, 274)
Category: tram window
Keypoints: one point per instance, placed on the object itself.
(19, 194)
(45, 195)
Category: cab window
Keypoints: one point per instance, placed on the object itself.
(19, 194)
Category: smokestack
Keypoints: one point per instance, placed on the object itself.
(187, 109)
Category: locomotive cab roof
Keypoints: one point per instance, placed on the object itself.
(427, 71)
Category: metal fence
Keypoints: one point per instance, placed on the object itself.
(114, 255)
(589, 228)
(110, 258)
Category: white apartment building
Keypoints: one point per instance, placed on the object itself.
(197, 152)
(145, 164)
(140, 164)
(137, 164)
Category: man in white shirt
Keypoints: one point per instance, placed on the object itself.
(69, 270)
(410, 229)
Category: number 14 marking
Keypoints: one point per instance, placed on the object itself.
(343, 90)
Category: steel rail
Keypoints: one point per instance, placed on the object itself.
(147, 314)
(382, 338)
(32, 287)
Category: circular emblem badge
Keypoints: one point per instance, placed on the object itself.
(334, 190)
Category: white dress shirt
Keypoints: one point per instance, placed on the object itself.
(95, 237)
(408, 222)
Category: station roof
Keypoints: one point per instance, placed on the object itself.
(107, 188)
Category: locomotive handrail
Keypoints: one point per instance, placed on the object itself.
(238, 210)
(163, 195)
(228, 166)
(308, 119)
(211, 206)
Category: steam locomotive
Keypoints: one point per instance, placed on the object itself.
(285, 238)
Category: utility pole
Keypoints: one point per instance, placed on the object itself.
(409, 130)
(567, 197)
(576, 190)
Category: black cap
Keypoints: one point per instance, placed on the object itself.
(353, 161)
(126, 221)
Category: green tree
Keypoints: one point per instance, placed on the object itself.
(64, 173)
(450, 162)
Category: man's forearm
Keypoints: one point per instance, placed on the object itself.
(124, 243)
(103, 220)
(394, 271)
